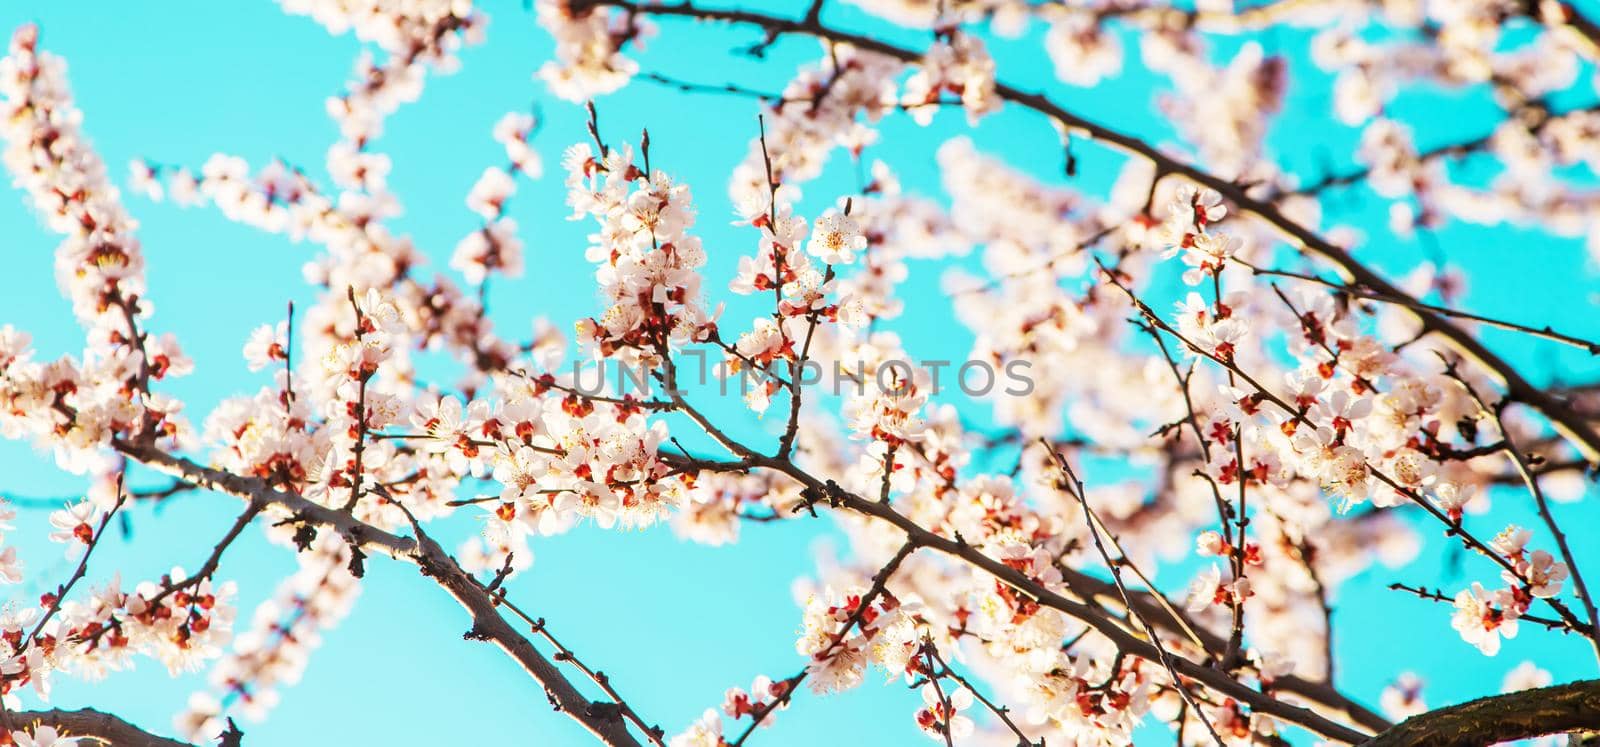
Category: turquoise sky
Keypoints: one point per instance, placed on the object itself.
(675, 624)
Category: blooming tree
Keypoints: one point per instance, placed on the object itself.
(1284, 420)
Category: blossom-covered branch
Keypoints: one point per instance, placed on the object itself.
(1265, 433)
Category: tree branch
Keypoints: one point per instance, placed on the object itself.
(1501, 718)
(430, 559)
(93, 724)
(1090, 614)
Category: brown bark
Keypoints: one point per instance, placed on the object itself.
(88, 722)
(1499, 718)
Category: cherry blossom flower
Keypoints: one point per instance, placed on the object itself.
(1453, 498)
(490, 192)
(1402, 698)
(836, 238)
(941, 712)
(1483, 618)
(267, 344)
(705, 732)
(43, 736)
(75, 524)
(495, 248)
(10, 566)
(1083, 52)
(961, 66)
(513, 131)
(1206, 589)
(1543, 573)
(1525, 676)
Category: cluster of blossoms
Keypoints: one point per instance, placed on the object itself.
(718, 503)
(278, 645)
(1482, 616)
(567, 462)
(1452, 44)
(805, 294)
(831, 105)
(1226, 111)
(960, 66)
(588, 56)
(1362, 423)
(100, 265)
(1030, 234)
(1083, 53)
(495, 247)
(649, 263)
(414, 35)
(884, 633)
(76, 408)
(181, 621)
(10, 564)
(1188, 232)
(1425, 196)
(311, 432)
